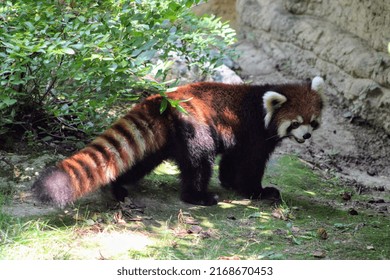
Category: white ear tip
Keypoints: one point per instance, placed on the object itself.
(317, 83)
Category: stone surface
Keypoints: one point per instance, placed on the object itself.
(344, 41)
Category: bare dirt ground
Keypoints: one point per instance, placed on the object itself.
(344, 146)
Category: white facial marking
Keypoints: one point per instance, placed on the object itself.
(317, 84)
(282, 129)
(272, 101)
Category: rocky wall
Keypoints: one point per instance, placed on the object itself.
(345, 41)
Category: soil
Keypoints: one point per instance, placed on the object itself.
(344, 146)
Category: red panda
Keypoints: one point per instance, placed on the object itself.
(243, 123)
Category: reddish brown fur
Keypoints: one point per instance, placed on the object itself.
(297, 104)
(227, 119)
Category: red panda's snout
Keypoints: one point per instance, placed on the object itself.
(298, 129)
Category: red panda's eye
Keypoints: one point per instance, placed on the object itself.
(314, 124)
(295, 125)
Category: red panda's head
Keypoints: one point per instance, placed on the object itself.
(295, 109)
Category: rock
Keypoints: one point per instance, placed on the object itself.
(346, 41)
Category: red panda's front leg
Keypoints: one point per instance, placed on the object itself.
(243, 172)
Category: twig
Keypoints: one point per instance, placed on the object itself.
(54, 80)
(7, 162)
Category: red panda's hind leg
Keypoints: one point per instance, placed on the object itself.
(136, 173)
(194, 180)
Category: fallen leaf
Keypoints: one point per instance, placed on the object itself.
(229, 258)
(359, 226)
(135, 219)
(180, 232)
(295, 229)
(194, 229)
(22, 196)
(279, 231)
(346, 196)
(185, 218)
(206, 234)
(191, 221)
(96, 228)
(279, 214)
(118, 218)
(321, 233)
(319, 254)
(174, 244)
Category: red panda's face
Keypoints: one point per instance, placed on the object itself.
(296, 112)
(298, 129)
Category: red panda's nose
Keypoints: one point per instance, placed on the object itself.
(306, 136)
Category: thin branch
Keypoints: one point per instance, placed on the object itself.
(54, 80)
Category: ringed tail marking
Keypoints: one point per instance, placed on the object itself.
(134, 137)
(113, 152)
(75, 176)
(121, 146)
(144, 125)
(114, 163)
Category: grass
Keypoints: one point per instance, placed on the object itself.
(312, 222)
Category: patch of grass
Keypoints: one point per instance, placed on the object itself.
(312, 222)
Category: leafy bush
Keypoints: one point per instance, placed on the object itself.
(63, 63)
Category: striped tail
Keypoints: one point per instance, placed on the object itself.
(141, 132)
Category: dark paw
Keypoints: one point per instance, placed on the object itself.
(200, 198)
(119, 193)
(270, 193)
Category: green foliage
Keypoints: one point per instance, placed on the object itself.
(71, 60)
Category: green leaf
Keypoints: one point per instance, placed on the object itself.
(113, 67)
(164, 105)
(254, 215)
(7, 102)
(68, 50)
(166, 168)
(181, 109)
(29, 25)
(47, 138)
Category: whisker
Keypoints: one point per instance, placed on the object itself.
(269, 138)
(276, 135)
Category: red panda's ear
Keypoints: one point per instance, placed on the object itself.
(318, 84)
(272, 101)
